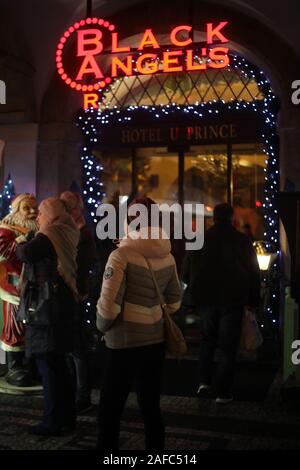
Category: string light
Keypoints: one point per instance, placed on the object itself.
(6, 197)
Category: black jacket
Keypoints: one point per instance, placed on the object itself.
(59, 338)
(225, 271)
(86, 257)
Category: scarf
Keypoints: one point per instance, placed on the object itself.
(64, 236)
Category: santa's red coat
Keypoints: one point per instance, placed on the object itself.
(12, 336)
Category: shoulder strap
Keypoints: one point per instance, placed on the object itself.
(161, 299)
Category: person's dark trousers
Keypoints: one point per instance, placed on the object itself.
(220, 328)
(79, 357)
(142, 365)
(83, 386)
(59, 397)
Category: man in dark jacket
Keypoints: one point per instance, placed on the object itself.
(225, 279)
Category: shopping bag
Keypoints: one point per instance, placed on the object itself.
(174, 339)
(175, 342)
(251, 337)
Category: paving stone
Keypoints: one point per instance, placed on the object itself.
(191, 424)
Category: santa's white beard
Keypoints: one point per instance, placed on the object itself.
(15, 218)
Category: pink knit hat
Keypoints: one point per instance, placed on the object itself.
(72, 200)
(54, 208)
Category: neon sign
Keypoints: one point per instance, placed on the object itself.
(100, 58)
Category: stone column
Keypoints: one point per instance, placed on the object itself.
(58, 158)
(289, 134)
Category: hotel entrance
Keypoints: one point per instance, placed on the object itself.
(193, 137)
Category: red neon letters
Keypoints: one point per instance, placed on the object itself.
(100, 57)
(175, 40)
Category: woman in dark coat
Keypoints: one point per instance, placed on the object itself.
(52, 256)
(86, 257)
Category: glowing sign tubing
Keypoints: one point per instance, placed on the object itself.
(60, 48)
(89, 45)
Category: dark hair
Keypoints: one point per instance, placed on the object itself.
(223, 212)
(145, 201)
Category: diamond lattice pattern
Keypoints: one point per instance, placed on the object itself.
(184, 88)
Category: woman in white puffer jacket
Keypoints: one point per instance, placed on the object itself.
(130, 317)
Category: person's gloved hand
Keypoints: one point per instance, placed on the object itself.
(30, 235)
(26, 237)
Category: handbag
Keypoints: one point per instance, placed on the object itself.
(39, 302)
(174, 339)
(251, 337)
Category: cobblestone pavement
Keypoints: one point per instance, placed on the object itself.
(190, 424)
(256, 419)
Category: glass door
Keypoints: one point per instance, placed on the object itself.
(157, 174)
(205, 179)
(116, 175)
(228, 173)
(248, 177)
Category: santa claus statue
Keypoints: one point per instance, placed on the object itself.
(20, 223)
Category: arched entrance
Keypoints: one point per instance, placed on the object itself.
(191, 137)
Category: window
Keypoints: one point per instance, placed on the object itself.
(117, 171)
(248, 177)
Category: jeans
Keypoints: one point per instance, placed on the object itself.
(220, 328)
(59, 399)
(124, 366)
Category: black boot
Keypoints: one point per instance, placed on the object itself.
(17, 375)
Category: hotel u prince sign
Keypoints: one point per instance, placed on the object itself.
(238, 130)
(97, 58)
